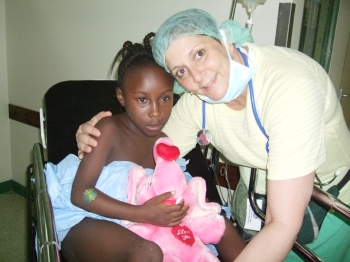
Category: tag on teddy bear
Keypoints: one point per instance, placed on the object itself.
(184, 234)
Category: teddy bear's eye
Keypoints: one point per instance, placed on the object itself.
(150, 182)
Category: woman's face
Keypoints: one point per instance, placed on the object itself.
(200, 64)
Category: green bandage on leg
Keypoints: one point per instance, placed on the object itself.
(89, 195)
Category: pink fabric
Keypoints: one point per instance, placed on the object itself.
(202, 224)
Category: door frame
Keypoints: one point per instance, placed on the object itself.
(340, 43)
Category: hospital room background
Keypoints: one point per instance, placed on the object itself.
(46, 42)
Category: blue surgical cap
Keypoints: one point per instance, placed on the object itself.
(194, 22)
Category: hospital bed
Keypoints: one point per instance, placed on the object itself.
(65, 106)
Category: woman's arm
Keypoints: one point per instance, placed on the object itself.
(287, 201)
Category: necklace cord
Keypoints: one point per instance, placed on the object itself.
(203, 115)
(252, 99)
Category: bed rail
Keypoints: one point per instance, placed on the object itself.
(46, 243)
(323, 198)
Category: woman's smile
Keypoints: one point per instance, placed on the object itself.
(200, 64)
(212, 82)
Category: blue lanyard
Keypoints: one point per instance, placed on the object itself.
(252, 99)
(203, 115)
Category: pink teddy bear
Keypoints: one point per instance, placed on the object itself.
(202, 224)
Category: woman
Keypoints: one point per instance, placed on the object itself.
(269, 108)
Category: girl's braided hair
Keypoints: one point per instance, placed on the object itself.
(133, 56)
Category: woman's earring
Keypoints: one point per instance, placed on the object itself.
(231, 55)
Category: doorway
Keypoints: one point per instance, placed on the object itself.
(344, 92)
(318, 29)
(325, 37)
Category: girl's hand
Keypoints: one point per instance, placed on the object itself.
(84, 141)
(155, 212)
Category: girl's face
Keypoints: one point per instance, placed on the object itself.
(147, 96)
(200, 64)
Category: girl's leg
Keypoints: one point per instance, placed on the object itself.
(231, 243)
(101, 240)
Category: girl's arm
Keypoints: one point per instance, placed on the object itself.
(287, 201)
(86, 196)
(89, 171)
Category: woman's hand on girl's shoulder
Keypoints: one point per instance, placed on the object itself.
(85, 142)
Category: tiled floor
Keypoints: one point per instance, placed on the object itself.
(12, 228)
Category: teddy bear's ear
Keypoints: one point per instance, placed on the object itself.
(202, 208)
(136, 175)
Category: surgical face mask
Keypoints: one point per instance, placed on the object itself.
(239, 77)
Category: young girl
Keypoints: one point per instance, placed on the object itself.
(145, 90)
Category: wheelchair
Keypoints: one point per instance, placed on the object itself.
(68, 104)
(65, 106)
